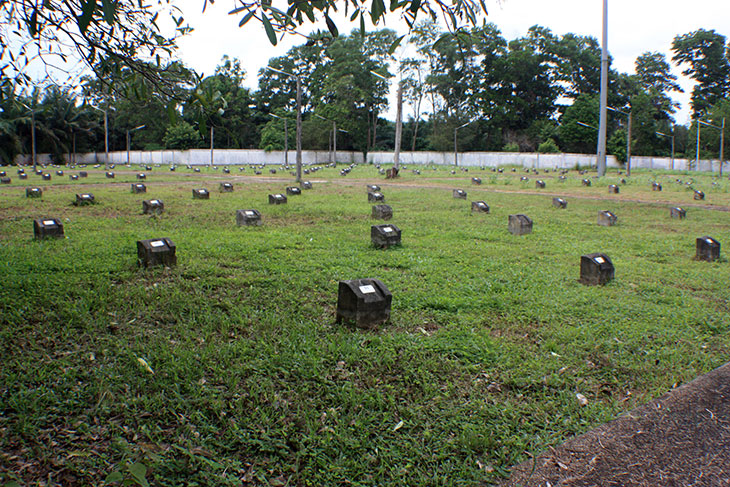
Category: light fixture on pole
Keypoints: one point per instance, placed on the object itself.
(106, 134)
(286, 138)
(299, 119)
(628, 137)
(670, 137)
(601, 149)
(722, 141)
(456, 148)
(398, 120)
(128, 131)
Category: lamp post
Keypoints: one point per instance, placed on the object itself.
(398, 119)
(722, 141)
(601, 149)
(299, 119)
(456, 148)
(106, 134)
(671, 137)
(628, 137)
(286, 139)
(128, 131)
(32, 134)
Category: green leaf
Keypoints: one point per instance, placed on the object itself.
(377, 9)
(331, 26)
(395, 44)
(138, 473)
(246, 18)
(33, 23)
(109, 11)
(87, 13)
(362, 25)
(269, 29)
(113, 477)
(416, 4)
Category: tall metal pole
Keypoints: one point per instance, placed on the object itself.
(722, 144)
(212, 133)
(334, 142)
(456, 153)
(106, 138)
(601, 150)
(398, 125)
(299, 129)
(697, 155)
(628, 147)
(127, 147)
(672, 148)
(32, 139)
(286, 144)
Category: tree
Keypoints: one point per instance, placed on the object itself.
(575, 137)
(181, 136)
(707, 61)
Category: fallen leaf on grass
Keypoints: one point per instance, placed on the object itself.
(398, 426)
(145, 365)
(581, 399)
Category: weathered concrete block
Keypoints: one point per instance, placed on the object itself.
(59, 173)
(708, 249)
(141, 176)
(560, 203)
(248, 218)
(138, 188)
(372, 197)
(612, 188)
(586, 182)
(540, 184)
(5, 180)
(23, 175)
(476, 181)
(196, 169)
(699, 195)
(226, 188)
(306, 185)
(277, 199)
(84, 199)
(48, 228)
(656, 186)
(153, 207)
(156, 251)
(606, 218)
(596, 269)
(479, 207)
(459, 194)
(74, 177)
(33, 192)
(47, 177)
(678, 212)
(226, 170)
(524, 179)
(373, 188)
(109, 175)
(384, 236)
(520, 224)
(382, 212)
(562, 179)
(83, 174)
(293, 190)
(201, 194)
(363, 302)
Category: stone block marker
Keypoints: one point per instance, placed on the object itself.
(384, 236)
(363, 302)
(540, 184)
(459, 194)
(520, 224)
(5, 180)
(83, 174)
(595, 269)
(201, 194)
(382, 212)
(306, 185)
(138, 188)
(373, 197)
(699, 195)
(225, 188)
(476, 181)
(656, 187)
(110, 175)
(293, 190)
(59, 173)
(277, 199)
(48, 228)
(560, 203)
(33, 192)
(479, 207)
(23, 175)
(153, 207)
(708, 249)
(156, 251)
(84, 199)
(141, 176)
(47, 177)
(613, 189)
(248, 218)
(678, 212)
(74, 177)
(586, 182)
(606, 218)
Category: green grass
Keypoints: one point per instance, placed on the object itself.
(490, 339)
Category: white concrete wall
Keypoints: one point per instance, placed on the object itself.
(231, 157)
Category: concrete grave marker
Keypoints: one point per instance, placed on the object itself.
(382, 212)
(479, 207)
(384, 236)
(306, 185)
(560, 203)
(226, 188)
(248, 218)
(47, 177)
(656, 186)
(678, 212)
(277, 199)
(59, 173)
(596, 269)
(540, 184)
(612, 188)
(138, 188)
(699, 195)
(153, 207)
(74, 177)
(373, 188)
(83, 174)
(524, 179)
(48, 228)
(520, 224)
(197, 169)
(476, 181)
(293, 190)
(158, 251)
(606, 218)
(562, 179)
(586, 182)
(110, 175)
(708, 249)
(141, 176)
(33, 192)
(375, 197)
(5, 180)
(23, 175)
(226, 170)
(201, 194)
(459, 194)
(84, 199)
(363, 302)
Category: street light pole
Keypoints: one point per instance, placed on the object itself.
(398, 120)
(669, 137)
(299, 119)
(212, 134)
(697, 153)
(456, 148)
(722, 139)
(601, 150)
(128, 131)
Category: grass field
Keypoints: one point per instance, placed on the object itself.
(228, 369)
